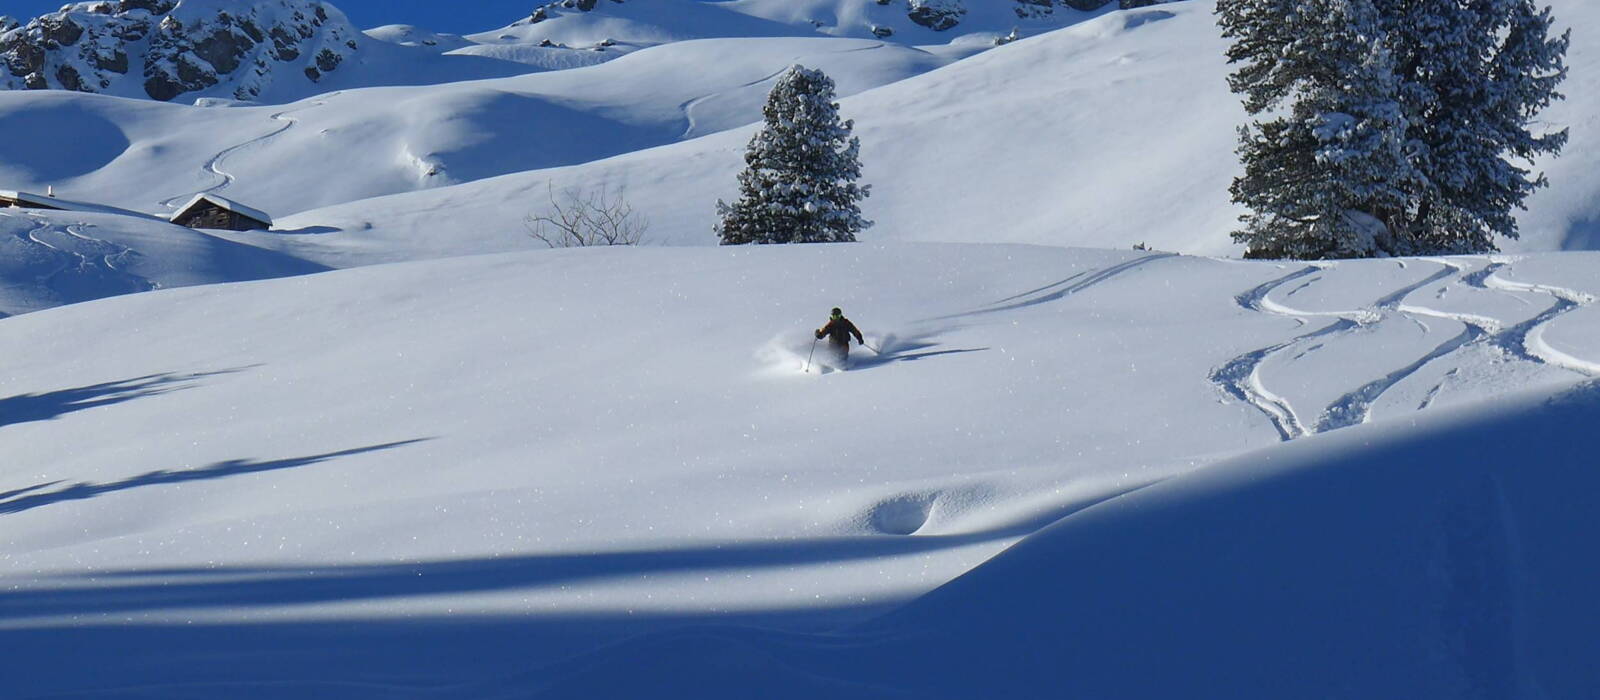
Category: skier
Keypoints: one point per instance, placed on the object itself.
(838, 331)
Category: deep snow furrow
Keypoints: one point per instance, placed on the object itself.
(1239, 378)
(1355, 407)
(1392, 301)
(1251, 299)
(1525, 340)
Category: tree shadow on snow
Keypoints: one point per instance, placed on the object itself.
(414, 656)
(26, 499)
(28, 408)
(127, 591)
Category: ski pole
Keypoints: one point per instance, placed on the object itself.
(808, 355)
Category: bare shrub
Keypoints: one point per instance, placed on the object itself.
(577, 217)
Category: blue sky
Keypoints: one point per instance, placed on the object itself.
(459, 17)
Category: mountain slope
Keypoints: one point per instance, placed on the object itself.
(452, 448)
(1116, 131)
(1066, 138)
(357, 144)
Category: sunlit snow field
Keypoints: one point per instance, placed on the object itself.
(395, 449)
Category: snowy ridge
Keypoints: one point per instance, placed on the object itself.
(162, 49)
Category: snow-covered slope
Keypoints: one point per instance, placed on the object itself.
(357, 144)
(622, 472)
(533, 447)
(582, 23)
(1070, 138)
(1425, 560)
(1117, 130)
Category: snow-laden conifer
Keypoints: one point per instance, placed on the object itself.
(799, 183)
(1391, 125)
(1323, 177)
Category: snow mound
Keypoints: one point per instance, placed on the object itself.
(1430, 558)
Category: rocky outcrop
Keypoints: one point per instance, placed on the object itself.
(166, 48)
(1121, 4)
(940, 15)
(937, 15)
(543, 12)
(1031, 9)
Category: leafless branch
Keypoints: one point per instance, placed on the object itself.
(577, 217)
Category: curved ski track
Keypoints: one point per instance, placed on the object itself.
(226, 179)
(693, 124)
(83, 267)
(1241, 379)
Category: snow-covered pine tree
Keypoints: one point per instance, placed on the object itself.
(1392, 122)
(1323, 176)
(1474, 75)
(799, 183)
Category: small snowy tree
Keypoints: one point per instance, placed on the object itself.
(1391, 122)
(799, 183)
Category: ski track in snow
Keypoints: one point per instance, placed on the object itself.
(1069, 286)
(1356, 406)
(64, 259)
(226, 179)
(1526, 340)
(95, 263)
(688, 107)
(1241, 378)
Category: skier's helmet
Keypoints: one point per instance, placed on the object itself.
(836, 313)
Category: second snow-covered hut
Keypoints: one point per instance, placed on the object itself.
(211, 211)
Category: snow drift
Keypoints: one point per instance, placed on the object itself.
(1432, 558)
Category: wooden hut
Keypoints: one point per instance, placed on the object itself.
(211, 211)
(29, 200)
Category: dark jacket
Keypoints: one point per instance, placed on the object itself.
(838, 332)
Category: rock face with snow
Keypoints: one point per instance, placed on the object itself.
(162, 49)
(542, 12)
(940, 15)
(937, 15)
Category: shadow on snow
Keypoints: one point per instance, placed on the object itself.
(24, 499)
(29, 408)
